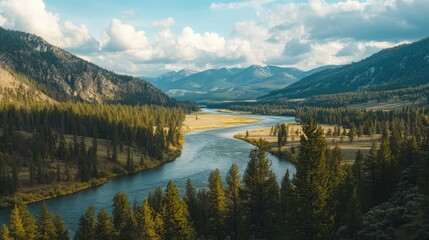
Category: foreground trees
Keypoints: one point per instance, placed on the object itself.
(323, 200)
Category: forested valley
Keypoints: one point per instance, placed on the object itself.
(382, 195)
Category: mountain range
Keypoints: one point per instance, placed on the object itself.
(49, 72)
(401, 67)
(228, 83)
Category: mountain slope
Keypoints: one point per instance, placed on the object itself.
(394, 68)
(227, 83)
(66, 76)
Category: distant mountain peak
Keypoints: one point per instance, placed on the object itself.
(227, 83)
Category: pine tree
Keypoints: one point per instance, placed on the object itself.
(191, 200)
(260, 194)
(216, 205)
(233, 203)
(15, 226)
(4, 233)
(287, 208)
(369, 190)
(46, 227)
(28, 221)
(60, 232)
(312, 185)
(105, 230)
(87, 224)
(122, 218)
(146, 224)
(175, 216)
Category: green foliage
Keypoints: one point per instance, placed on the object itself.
(146, 224)
(234, 218)
(105, 230)
(16, 227)
(87, 225)
(4, 233)
(260, 195)
(122, 218)
(216, 206)
(313, 186)
(175, 215)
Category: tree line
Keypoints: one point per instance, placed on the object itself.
(42, 144)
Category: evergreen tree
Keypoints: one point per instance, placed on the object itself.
(105, 230)
(122, 218)
(175, 216)
(60, 232)
(4, 233)
(146, 225)
(46, 227)
(87, 224)
(216, 205)
(260, 194)
(233, 203)
(287, 208)
(15, 225)
(28, 221)
(191, 200)
(369, 190)
(314, 221)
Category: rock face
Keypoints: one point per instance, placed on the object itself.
(390, 69)
(64, 76)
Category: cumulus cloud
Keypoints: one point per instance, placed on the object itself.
(239, 5)
(163, 23)
(32, 16)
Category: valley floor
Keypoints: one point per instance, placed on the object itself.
(205, 120)
(348, 148)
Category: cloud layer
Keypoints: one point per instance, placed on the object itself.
(303, 35)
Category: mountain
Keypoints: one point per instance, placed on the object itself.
(400, 67)
(60, 75)
(227, 83)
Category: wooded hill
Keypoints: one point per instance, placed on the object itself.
(402, 67)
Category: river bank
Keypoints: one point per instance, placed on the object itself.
(193, 122)
(290, 149)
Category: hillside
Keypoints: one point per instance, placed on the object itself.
(227, 83)
(63, 76)
(400, 67)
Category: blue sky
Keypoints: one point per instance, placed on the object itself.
(147, 38)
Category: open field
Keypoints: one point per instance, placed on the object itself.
(203, 120)
(348, 148)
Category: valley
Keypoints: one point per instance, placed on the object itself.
(262, 120)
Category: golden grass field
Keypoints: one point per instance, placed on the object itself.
(204, 120)
(348, 148)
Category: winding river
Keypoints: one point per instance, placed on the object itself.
(203, 152)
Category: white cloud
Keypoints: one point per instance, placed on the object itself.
(163, 23)
(32, 16)
(121, 36)
(2, 20)
(239, 5)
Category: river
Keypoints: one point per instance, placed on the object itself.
(203, 152)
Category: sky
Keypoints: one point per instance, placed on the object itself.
(151, 37)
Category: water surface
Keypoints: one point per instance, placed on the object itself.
(203, 152)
